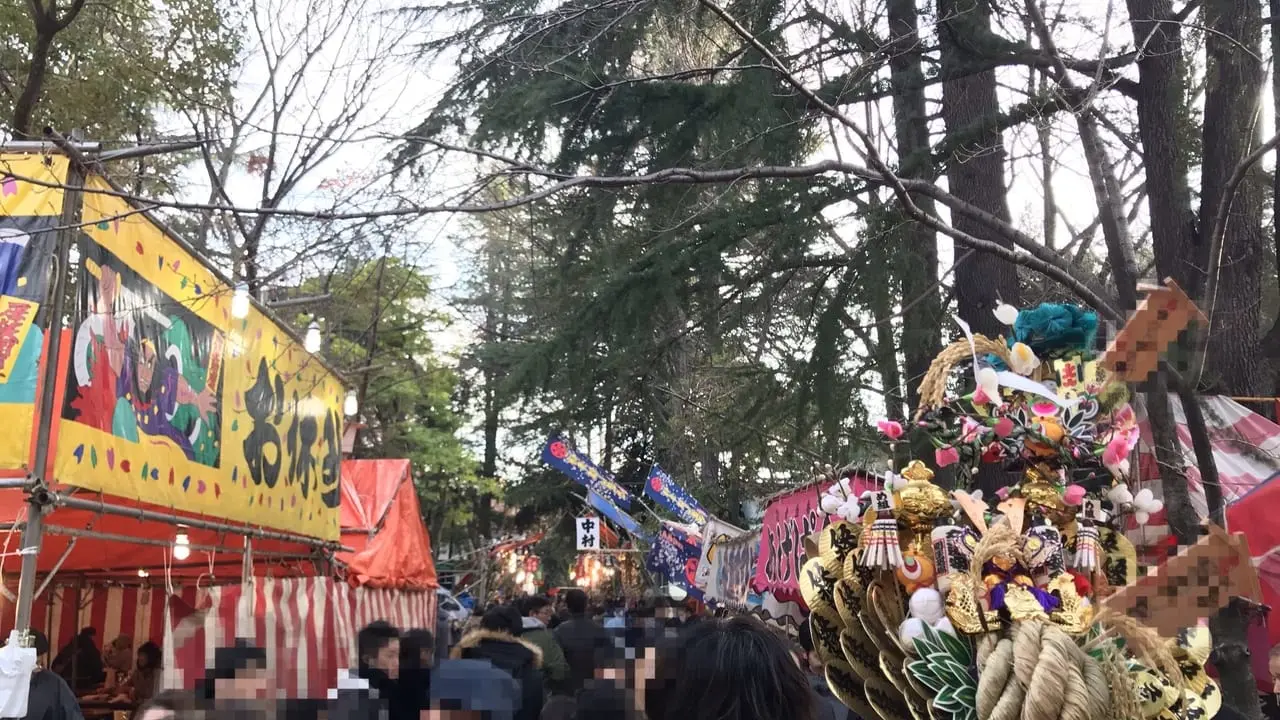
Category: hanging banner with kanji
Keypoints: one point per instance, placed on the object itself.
(587, 533)
(172, 401)
(674, 557)
(559, 454)
(788, 520)
(29, 216)
(670, 495)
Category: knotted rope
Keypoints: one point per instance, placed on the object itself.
(1039, 673)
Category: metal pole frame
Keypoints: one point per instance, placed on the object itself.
(55, 499)
(33, 533)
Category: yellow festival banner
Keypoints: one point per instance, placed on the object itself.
(172, 401)
(30, 206)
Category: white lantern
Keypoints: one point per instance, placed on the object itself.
(240, 301)
(181, 546)
(312, 341)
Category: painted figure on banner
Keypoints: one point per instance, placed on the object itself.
(143, 366)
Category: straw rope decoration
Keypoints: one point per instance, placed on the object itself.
(934, 385)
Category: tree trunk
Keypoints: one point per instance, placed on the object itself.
(25, 106)
(922, 315)
(975, 170)
(1162, 113)
(1233, 45)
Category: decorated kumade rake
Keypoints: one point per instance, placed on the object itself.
(929, 605)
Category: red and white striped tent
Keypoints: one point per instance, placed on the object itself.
(1246, 450)
(304, 614)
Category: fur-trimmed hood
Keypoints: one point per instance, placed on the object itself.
(500, 648)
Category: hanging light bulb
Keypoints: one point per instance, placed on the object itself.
(351, 405)
(181, 546)
(143, 573)
(240, 301)
(312, 340)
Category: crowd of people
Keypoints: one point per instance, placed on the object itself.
(527, 659)
(535, 659)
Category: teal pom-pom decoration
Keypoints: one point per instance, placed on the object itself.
(1054, 330)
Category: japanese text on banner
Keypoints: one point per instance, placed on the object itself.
(172, 401)
(559, 454)
(670, 495)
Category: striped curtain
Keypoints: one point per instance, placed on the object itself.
(307, 625)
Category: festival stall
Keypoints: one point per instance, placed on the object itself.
(929, 604)
(176, 437)
(305, 619)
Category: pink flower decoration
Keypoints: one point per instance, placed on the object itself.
(1003, 493)
(970, 430)
(1044, 407)
(892, 429)
(946, 455)
(1073, 495)
(1117, 450)
(980, 398)
(1003, 427)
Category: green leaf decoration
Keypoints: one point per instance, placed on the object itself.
(946, 667)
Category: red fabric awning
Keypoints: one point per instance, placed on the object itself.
(382, 523)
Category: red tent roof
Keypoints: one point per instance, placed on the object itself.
(382, 523)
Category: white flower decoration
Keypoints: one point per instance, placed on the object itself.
(1145, 505)
(1006, 314)
(1120, 495)
(1022, 359)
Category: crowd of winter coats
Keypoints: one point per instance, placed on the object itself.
(527, 661)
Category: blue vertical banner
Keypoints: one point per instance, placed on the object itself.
(619, 518)
(668, 493)
(674, 555)
(559, 454)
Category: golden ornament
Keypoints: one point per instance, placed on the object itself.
(824, 628)
(836, 542)
(1042, 496)
(817, 586)
(921, 503)
(1022, 604)
(1075, 614)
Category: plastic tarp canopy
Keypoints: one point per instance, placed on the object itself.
(382, 524)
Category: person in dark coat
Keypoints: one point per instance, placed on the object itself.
(378, 645)
(417, 657)
(473, 688)
(80, 663)
(583, 640)
(51, 697)
(496, 642)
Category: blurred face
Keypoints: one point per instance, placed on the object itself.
(635, 675)
(157, 714)
(388, 659)
(815, 663)
(248, 684)
(545, 614)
